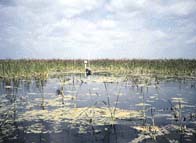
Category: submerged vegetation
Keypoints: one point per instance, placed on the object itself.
(43, 68)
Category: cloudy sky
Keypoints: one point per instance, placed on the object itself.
(97, 29)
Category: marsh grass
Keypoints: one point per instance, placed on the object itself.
(44, 68)
(140, 74)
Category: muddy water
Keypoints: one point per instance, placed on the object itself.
(75, 109)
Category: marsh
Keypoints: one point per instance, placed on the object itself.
(101, 109)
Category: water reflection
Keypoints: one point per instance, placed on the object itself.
(72, 109)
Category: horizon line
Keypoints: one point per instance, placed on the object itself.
(116, 59)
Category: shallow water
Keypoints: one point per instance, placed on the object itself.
(97, 109)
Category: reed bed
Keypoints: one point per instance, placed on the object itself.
(42, 68)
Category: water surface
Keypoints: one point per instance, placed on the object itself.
(73, 109)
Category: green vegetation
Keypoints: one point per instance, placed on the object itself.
(130, 96)
(41, 68)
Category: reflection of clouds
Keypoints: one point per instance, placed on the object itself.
(36, 128)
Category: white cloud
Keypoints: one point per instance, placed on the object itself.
(168, 8)
(183, 7)
(118, 28)
(192, 40)
(65, 8)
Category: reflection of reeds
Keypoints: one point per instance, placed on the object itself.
(143, 106)
(108, 99)
(41, 88)
(61, 90)
(77, 92)
(112, 109)
(177, 113)
(152, 115)
(8, 111)
(117, 99)
(180, 115)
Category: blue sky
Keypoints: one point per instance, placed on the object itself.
(97, 29)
